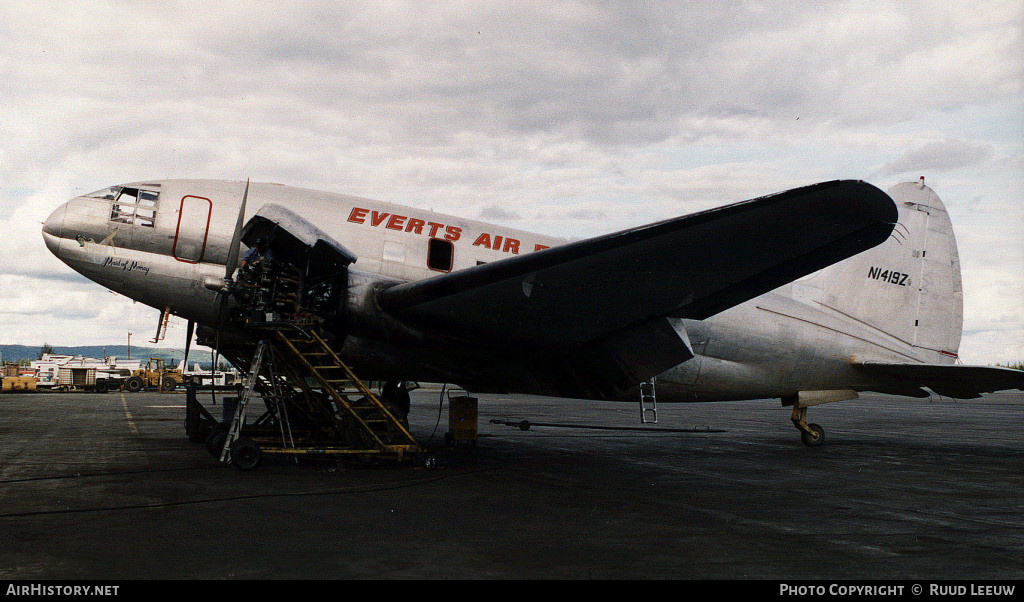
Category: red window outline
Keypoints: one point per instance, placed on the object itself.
(206, 230)
(451, 264)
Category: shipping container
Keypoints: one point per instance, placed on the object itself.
(79, 378)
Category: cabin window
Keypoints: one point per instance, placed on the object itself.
(440, 255)
(134, 206)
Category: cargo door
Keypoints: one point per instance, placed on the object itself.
(193, 229)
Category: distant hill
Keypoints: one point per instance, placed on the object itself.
(14, 353)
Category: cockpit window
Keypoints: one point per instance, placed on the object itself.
(133, 206)
(107, 193)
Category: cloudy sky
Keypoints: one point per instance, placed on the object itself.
(568, 118)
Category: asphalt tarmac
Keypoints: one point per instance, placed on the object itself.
(107, 487)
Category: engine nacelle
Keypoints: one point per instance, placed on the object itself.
(362, 316)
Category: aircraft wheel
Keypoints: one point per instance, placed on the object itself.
(134, 384)
(245, 454)
(813, 438)
(396, 398)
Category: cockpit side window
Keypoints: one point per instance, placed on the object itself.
(107, 193)
(134, 206)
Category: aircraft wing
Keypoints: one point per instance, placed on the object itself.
(689, 267)
(961, 382)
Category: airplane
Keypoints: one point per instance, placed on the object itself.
(810, 295)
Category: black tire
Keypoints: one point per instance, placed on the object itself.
(134, 384)
(215, 440)
(395, 398)
(217, 445)
(101, 386)
(169, 384)
(814, 438)
(245, 454)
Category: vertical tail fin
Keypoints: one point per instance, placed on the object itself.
(909, 286)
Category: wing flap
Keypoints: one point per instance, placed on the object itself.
(960, 382)
(692, 266)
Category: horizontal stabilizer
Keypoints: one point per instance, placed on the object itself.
(693, 266)
(961, 382)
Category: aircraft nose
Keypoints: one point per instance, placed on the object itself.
(53, 228)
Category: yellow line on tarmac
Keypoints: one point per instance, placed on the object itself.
(128, 414)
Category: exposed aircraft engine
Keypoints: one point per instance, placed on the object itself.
(295, 272)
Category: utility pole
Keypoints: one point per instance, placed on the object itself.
(129, 345)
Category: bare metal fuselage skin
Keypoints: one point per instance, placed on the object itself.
(801, 337)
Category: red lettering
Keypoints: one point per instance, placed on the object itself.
(511, 246)
(496, 243)
(434, 228)
(358, 215)
(415, 225)
(483, 240)
(452, 233)
(378, 218)
(539, 247)
(396, 222)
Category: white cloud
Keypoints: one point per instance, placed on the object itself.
(574, 117)
(939, 156)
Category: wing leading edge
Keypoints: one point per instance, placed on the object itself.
(689, 267)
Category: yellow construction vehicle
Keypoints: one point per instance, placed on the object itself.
(154, 374)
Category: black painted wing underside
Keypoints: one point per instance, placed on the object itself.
(690, 267)
(961, 382)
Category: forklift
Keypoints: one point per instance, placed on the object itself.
(154, 374)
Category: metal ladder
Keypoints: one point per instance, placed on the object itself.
(648, 403)
(250, 383)
(378, 426)
(276, 404)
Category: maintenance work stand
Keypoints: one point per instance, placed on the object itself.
(314, 404)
